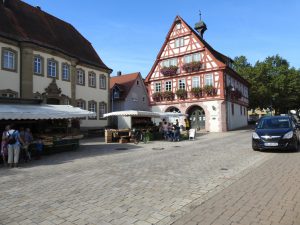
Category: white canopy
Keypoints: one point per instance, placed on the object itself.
(137, 113)
(134, 113)
(43, 111)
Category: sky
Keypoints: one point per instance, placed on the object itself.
(128, 34)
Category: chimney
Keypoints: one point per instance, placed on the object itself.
(200, 27)
(38, 7)
(119, 73)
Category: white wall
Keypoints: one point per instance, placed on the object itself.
(10, 79)
(238, 119)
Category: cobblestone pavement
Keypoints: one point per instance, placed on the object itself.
(155, 183)
(267, 195)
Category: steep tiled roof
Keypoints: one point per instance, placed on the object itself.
(24, 23)
(124, 82)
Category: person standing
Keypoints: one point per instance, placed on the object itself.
(4, 151)
(13, 144)
(187, 126)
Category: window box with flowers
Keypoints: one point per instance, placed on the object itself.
(234, 93)
(192, 66)
(210, 90)
(181, 93)
(168, 95)
(157, 96)
(197, 92)
(169, 71)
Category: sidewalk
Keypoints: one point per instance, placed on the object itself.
(267, 195)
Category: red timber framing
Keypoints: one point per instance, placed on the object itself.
(183, 42)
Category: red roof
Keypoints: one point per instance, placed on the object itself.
(124, 82)
(24, 23)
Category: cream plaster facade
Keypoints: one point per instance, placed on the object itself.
(18, 81)
(10, 79)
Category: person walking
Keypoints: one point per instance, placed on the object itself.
(26, 136)
(13, 145)
(4, 151)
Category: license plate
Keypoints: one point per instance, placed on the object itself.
(271, 144)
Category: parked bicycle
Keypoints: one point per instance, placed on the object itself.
(141, 135)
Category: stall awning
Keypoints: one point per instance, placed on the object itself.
(43, 111)
(134, 113)
(137, 113)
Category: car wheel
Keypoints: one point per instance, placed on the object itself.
(255, 149)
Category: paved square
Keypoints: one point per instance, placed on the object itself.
(100, 185)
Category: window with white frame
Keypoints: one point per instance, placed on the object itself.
(92, 106)
(157, 87)
(179, 42)
(52, 68)
(9, 59)
(102, 109)
(195, 82)
(65, 71)
(169, 62)
(38, 65)
(196, 57)
(182, 84)
(80, 103)
(80, 77)
(102, 80)
(168, 85)
(92, 79)
(178, 26)
(209, 79)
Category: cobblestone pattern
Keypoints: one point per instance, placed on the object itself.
(140, 186)
(268, 195)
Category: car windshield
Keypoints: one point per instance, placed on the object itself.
(274, 123)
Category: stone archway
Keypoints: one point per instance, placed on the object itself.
(173, 109)
(196, 117)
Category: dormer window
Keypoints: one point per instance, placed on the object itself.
(116, 94)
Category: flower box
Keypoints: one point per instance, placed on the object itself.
(168, 95)
(192, 66)
(210, 90)
(157, 96)
(181, 93)
(197, 92)
(169, 71)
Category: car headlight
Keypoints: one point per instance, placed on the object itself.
(288, 135)
(255, 135)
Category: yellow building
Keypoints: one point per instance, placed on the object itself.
(46, 58)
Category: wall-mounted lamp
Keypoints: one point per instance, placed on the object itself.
(214, 108)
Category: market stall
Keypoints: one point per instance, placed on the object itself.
(55, 125)
(134, 119)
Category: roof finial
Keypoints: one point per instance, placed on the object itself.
(200, 26)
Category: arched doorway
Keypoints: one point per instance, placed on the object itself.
(173, 109)
(197, 117)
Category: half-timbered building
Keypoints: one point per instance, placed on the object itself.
(190, 77)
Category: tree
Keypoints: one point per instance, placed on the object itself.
(273, 83)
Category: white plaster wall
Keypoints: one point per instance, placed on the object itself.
(213, 113)
(8, 79)
(237, 120)
(124, 122)
(137, 98)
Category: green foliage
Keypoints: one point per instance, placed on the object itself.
(181, 93)
(273, 83)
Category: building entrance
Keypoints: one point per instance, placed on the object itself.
(197, 117)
